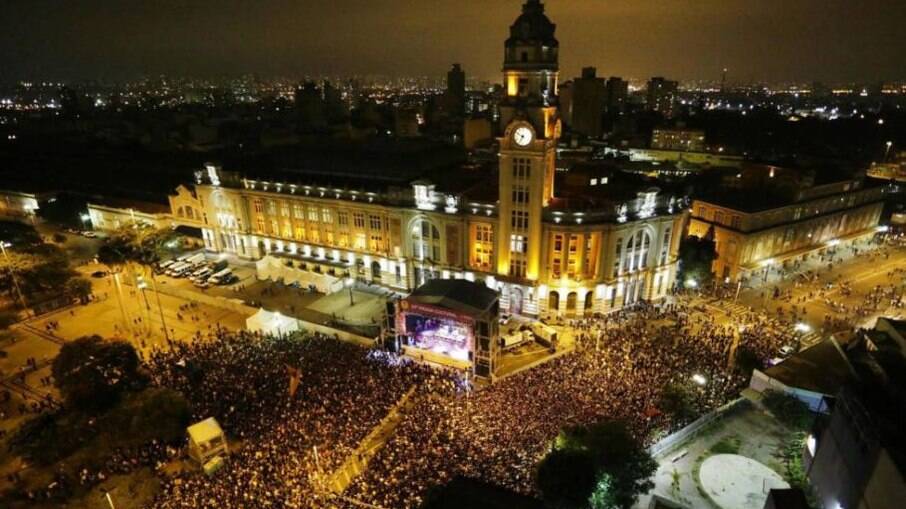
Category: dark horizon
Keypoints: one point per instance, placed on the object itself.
(770, 41)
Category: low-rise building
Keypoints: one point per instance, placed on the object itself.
(109, 214)
(686, 140)
(19, 205)
(764, 216)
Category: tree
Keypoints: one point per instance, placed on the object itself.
(696, 258)
(608, 450)
(91, 373)
(747, 360)
(677, 401)
(567, 478)
(78, 288)
(603, 497)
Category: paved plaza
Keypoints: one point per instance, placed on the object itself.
(737, 482)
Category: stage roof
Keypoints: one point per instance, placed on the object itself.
(455, 294)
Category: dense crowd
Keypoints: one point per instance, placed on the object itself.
(620, 368)
(283, 445)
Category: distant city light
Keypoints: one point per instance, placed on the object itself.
(699, 379)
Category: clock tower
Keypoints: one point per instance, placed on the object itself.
(530, 125)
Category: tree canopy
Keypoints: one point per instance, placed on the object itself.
(135, 245)
(696, 257)
(601, 465)
(92, 373)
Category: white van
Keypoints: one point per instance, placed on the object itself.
(221, 276)
(203, 274)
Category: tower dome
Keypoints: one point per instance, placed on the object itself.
(532, 39)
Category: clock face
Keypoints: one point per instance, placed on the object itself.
(522, 136)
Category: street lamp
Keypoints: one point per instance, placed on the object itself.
(85, 218)
(803, 328)
(889, 144)
(699, 379)
(691, 283)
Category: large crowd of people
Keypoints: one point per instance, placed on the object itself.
(621, 366)
(286, 447)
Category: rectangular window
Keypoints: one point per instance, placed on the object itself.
(375, 222)
(518, 244)
(665, 247)
(300, 232)
(272, 207)
(259, 223)
(284, 209)
(517, 267)
(359, 241)
(343, 219)
(358, 220)
(377, 242)
(326, 216)
(520, 220)
(483, 246)
(522, 168)
(298, 211)
(617, 257)
(558, 243)
(275, 229)
(287, 229)
(520, 195)
(313, 214)
(259, 206)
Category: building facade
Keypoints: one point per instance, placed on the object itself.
(687, 140)
(662, 96)
(752, 238)
(547, 254)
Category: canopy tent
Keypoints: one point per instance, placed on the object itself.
(287, 269)
(268, 322)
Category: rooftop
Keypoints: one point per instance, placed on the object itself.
(823, 368)
(456, 295)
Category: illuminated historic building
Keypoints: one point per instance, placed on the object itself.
(764, 216)
(591, 245)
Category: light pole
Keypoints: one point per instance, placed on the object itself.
(349, 284)
(12, 275)
(887, 151)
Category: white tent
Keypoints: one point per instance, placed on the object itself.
(275, 268)
(268, 322)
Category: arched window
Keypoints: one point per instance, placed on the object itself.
(589, 302)
(553, 303)
(571, 300)
(425, 241)
(636, 255)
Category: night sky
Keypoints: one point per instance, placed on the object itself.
(762, 40)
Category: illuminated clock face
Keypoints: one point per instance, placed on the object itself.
(522, 136)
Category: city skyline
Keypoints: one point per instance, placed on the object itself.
(760, 42)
